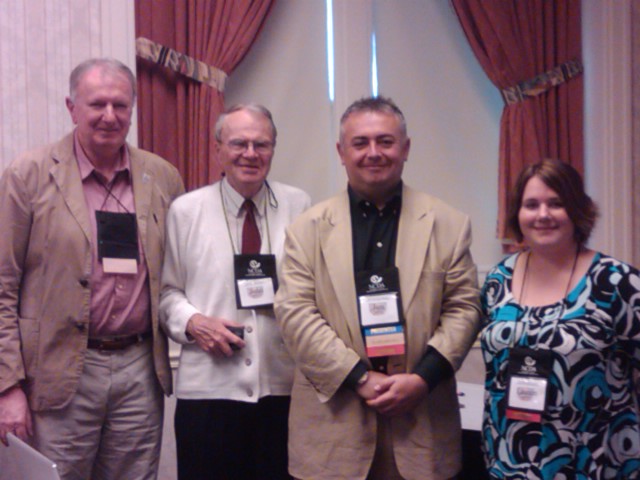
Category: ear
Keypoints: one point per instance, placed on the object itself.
(340, 152)
(407, 147)
(71, 108)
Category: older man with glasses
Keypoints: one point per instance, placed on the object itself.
(223, 245)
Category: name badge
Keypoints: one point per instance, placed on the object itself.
(528, 373)
(380, 311)
(256, 280)
(117, 242)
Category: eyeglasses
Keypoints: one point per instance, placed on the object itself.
(241, 146)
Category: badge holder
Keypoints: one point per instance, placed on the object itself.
(528, 374)
(256, 280)
(380, 311)
(117, 242)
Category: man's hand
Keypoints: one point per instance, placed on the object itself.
(212, 335)
(15, 416)
(368, 389)
(398, 394)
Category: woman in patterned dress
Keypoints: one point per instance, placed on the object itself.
(561, 342)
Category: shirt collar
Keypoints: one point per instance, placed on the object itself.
(86, 167)
(234, 200)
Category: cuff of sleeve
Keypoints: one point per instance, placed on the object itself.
(355, 374)
(433, 368)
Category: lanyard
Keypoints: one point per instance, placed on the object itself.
(562, 303)
(226, 220)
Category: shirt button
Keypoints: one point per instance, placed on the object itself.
(249, 330)
(250, 392)
(247, 362)
(379, 244)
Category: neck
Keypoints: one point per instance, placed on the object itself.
(246, 191)
(104, 162)
(556, 258)
(377, 196)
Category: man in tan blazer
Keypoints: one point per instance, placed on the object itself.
(83, 363)
(378, 305)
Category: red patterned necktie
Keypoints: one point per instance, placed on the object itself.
(250, 232)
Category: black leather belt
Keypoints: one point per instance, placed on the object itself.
(118, 342)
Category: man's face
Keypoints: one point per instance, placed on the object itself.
(373, 149)
(245, 151)
(101, 112)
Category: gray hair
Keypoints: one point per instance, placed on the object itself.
(374, 104)
(250, 107)
(105, 64)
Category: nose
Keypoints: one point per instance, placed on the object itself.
(543, 211)
(250, 150)
(372, 151)
(108, 114)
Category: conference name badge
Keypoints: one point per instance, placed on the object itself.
(380, 311)
(256, 280)
(528, 373)
(117, 242)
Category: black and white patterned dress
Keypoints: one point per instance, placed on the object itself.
(591, 427)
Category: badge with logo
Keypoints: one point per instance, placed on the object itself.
(528, 374)
(256, 280)
(380, 310)
(117, 242)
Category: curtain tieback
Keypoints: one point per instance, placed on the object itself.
(543, 82)
(178, 62)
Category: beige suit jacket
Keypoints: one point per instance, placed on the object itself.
(332, 432)
(45, 265)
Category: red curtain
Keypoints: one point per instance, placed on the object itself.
(514, 41)
(177, 115)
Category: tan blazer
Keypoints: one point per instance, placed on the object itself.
(45, 264)
(332, 432)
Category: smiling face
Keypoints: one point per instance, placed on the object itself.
(245, 150)
(373, 148)
(101, 110)
(543, 219)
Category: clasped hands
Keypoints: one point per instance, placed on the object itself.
(393, 394)
(212, 335)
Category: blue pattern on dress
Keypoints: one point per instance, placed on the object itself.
(591, 427)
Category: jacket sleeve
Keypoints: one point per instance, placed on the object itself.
(318, 350)
(15, 217)
(175, 308)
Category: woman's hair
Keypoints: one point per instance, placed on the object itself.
(563, 179)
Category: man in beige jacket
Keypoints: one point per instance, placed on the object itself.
(378, 305)
(82, 362)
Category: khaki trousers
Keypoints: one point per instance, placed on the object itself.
(112, 429)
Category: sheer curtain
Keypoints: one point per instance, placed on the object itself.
(177, 115)
(40, 42)
(514, 42)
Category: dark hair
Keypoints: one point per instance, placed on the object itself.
(565, 180)
(110, 65)
(374, 104)
(250, 107)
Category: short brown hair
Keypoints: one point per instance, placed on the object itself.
(565, 180)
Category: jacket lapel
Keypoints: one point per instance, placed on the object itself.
(66, 175)
(337, 248)
(414, 233)
(142, 189)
